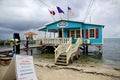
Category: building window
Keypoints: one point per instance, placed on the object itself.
(77, 33)
(92, 33)
(73, 34)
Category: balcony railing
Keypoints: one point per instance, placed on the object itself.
(55, 41)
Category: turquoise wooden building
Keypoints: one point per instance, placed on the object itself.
(72, 36)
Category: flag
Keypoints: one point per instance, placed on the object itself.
(60, 10)
(70, 11)
(52, 12)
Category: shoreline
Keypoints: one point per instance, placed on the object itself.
(94, 70)
(47, 70)
(87, 70)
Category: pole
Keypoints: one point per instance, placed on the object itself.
(51, 15)
(50, 34)
(67, 16)
(53, 18)
(62, 33)
(90, 19)
(45, 34)
(60, 16)
(54, 34)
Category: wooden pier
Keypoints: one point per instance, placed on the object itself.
(8, 50)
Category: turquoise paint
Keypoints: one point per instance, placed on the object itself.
(65, 33)
(77, 25)
(96, 40)
(71, 25)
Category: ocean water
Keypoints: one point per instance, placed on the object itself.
(111, 52)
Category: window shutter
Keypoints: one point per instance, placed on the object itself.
(87, 33)
(69, 34)
(82, 33)
(97, 33)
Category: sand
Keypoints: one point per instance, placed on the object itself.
(63, 74)
(46, 70)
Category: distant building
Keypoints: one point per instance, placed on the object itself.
(31, 35)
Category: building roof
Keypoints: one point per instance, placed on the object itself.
(44, 27)
(30, 33)
(74, 21)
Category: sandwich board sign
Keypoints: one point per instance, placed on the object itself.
(21, 68)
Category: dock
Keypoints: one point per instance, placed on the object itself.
(9, 49)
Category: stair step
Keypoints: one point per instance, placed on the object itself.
(63, 53)
(61, 58)
(62, 61)
(63, 64)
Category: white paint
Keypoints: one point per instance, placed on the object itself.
(20, 68)
(25, 68)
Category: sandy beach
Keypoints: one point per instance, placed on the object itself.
(46, 70)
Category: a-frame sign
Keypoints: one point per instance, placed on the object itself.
(21, 68)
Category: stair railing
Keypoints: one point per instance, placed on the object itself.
(62, 48)
(68, 52)
(57, 52)
(72, 49)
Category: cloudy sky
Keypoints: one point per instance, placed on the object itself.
(28, 15)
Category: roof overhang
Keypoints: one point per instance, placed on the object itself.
(44, 28)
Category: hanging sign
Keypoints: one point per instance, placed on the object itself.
(62, 24)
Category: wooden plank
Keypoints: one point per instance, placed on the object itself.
(6, 58)
(4, 50)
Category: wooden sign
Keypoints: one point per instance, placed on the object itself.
(21, 68)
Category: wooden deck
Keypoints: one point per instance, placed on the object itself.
(6, 50)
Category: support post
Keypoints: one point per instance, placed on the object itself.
(54, 34)
(31, 51)
(50, 34)
(86, 50)
(62, 33)
(100, 49)
(45, 34)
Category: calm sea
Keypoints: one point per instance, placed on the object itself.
(111, 52)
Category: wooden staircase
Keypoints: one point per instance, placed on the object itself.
(61, 60)
(64, 52)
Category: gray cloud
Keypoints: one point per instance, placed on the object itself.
(24, 15)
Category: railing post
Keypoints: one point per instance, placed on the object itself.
(55, 56)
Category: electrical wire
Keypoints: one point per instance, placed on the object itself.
(88, 10)
(45, 4)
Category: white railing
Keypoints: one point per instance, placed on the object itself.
(72, 49)
(62, 48)
(55, 41)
